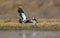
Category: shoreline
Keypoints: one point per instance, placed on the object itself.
(29, 30)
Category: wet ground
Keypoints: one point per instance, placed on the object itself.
(29, 34)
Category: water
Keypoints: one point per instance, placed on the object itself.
(29, 34)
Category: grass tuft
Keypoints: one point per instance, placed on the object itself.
(29, 27)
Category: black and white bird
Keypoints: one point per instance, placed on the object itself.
(23, 18)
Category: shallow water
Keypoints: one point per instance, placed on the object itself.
(29, 34)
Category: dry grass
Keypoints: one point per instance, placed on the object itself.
(29, 26)
(43, 24)
(41, 20)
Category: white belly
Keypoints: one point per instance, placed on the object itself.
(24, 17)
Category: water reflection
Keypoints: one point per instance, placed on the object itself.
(41, 35)
(36, 34)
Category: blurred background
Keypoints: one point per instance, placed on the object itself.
(49, 9)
